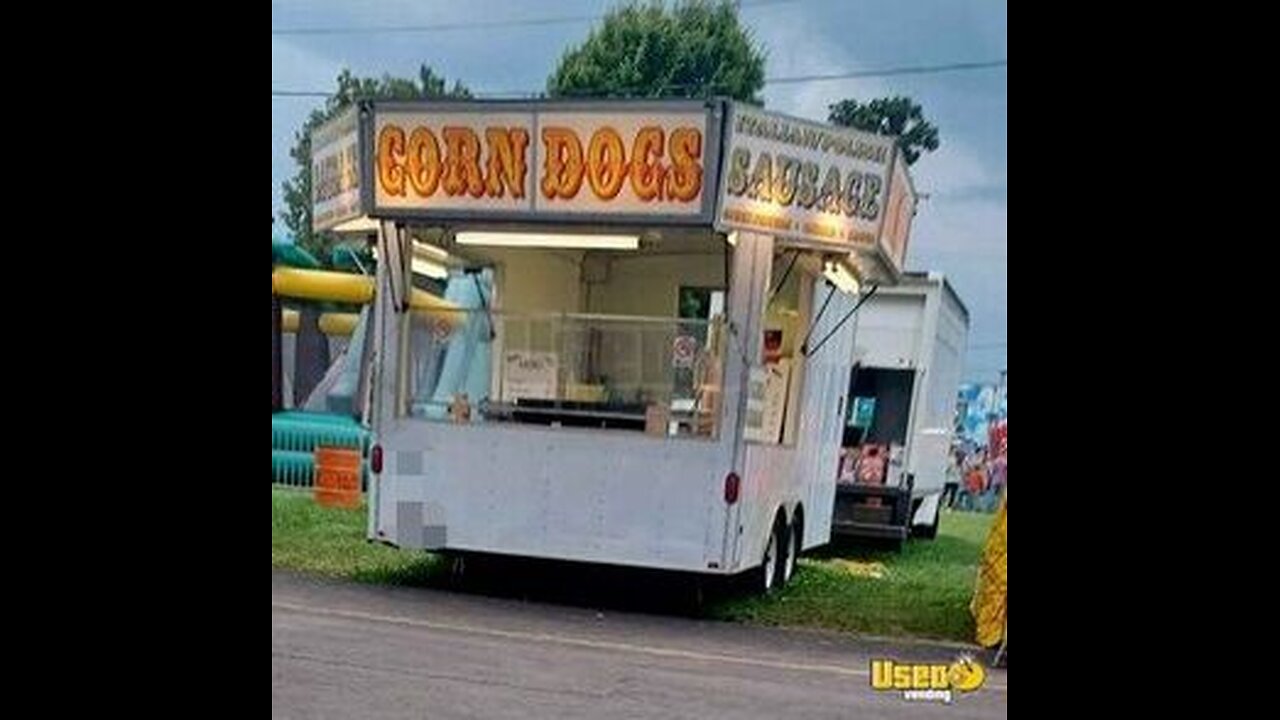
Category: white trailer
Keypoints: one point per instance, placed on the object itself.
(908, 355)
(540, 471)
(635, 371)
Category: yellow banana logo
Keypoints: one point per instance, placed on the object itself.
(966, 674)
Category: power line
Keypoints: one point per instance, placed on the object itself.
(443, 27)
(916, 70)
(780, 80)
(908, 70)
(446, 27)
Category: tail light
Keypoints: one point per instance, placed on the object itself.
(375, 459)
(732, 484)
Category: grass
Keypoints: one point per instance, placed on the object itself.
(331, 542)
(924, 591)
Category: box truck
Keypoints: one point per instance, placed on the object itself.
(907, 360)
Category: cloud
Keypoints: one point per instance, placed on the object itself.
(797, 47)
(950, 170)
(944, 227)
(968, 241)
(293, 67)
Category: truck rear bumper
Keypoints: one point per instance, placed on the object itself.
(873, 511)
(871, 530)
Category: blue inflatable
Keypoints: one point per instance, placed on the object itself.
(467, 358)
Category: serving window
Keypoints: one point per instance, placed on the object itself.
(622, 333)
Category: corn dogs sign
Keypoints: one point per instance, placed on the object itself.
(540, 163)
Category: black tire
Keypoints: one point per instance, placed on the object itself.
(765, 578)
(453, 568)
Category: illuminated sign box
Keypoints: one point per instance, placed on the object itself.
(814, 185)
(644, 162)
(336, 172)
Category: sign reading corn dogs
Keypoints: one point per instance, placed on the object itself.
(541, 161)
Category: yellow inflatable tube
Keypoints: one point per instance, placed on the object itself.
(330, 323)
(322, 285)
(339, 323)
(351, 288)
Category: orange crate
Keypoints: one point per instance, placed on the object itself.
(337, 477)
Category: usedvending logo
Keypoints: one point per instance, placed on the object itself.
(929, 682)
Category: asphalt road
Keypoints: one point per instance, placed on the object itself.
(351, 651)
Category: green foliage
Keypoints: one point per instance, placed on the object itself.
(297, 190)
(696, 49)
(897, 116)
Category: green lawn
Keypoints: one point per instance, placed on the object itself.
(922, 592)
(329, 541)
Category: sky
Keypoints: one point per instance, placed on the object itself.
(961, 228)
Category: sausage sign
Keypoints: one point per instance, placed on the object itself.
(811, 183)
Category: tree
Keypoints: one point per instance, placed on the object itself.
(297, 190)
(896, 116)
(697, 49)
